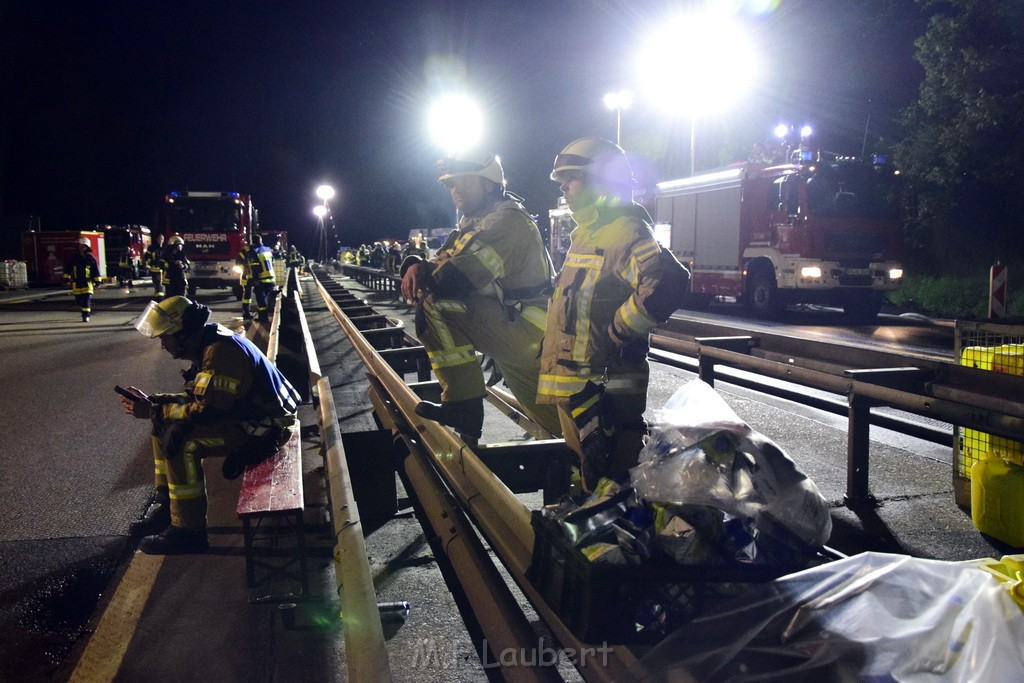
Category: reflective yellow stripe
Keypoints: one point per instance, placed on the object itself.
(229, 385)
(446, 358)
(176, 411)
(490, 260)
(634, 318)
(587, 261)
(202, 381)
(590, 402)
(536, 316)
(646, 249)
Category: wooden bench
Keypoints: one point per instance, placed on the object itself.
(270, 506)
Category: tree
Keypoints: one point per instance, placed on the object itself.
(965, 134)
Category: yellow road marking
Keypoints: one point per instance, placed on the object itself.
(102, 657)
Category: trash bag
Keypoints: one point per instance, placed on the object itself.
(870, 617)
(701, 453)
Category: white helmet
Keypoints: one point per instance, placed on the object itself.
(600, 159)
(177, 239)
(465, 164)
(84, 241)
(163, 318)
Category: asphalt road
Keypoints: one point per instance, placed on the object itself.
(76, 471)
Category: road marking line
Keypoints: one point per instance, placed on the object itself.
(102, 657)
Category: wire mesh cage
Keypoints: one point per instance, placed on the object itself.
(986, 346)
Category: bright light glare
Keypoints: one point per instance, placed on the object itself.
(456, 123)
(781, 130)
(319, 210)
(622, 99)
(810, 271)
(895, 273)
(805, 132)
(698, 64)
(325, 192)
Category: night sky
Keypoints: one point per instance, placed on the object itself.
(107, 106)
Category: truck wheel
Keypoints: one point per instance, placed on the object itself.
(763, 298)
(862, 306)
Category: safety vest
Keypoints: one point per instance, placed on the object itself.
(261, 264)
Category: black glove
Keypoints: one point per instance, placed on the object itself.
(632, 350)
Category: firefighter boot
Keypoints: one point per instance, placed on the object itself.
(157, 517)
(176, 540)
(466, 416)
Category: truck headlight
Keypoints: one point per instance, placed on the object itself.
(895, 273)
(813, 272)
(236, 269)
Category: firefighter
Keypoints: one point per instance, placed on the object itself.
(261, 274)
(82, 274)
(617, 284)
(237, 404)
(125, 269)
(245, 282)
(153, 259)
(484, 290)
(175, 267)
(295, 259)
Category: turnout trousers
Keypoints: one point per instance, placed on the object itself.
(182, 472)
(456, 328)
(627, 442)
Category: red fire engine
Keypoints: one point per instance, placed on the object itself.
(215, 227)
(133, 238)
(811, 231)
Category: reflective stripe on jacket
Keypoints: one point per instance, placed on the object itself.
(82, 272)
(261, 264)
(501, 251)
(611, 278)
(235, 382)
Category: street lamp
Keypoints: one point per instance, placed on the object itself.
(697, 64)
(617, 101)
(456, 124)
(325, 193)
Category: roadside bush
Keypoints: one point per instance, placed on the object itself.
(953, 297)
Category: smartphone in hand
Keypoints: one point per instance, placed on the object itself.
(127, 394)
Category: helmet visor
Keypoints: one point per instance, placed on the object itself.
(155, 321)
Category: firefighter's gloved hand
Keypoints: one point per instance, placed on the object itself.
(631, 349)
(495, 376)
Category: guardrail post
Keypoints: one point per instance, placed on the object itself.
(857, 489)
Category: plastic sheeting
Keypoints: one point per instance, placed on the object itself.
(871, 617)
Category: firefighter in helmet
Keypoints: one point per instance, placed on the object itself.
(484, 290)
(616, 284)
(175, 267)
(237, 404)
(82, 274)
(261, 275)
(153, 258)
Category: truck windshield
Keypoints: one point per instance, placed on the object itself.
(204, 216)
(854, 190)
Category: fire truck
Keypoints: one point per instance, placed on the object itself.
(134, 238)
(816, 230)
(215, 227)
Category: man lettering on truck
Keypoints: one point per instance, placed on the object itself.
(615, 286)
(484, 290)
(237, 404)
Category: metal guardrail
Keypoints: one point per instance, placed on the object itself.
(944, 391)
(439, 463)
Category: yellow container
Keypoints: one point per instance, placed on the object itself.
(997, 500)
